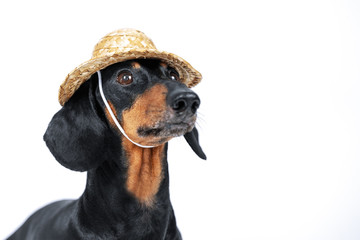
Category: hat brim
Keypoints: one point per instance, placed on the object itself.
(188, 75)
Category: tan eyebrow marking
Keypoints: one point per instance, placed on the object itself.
(164, 65)
(136, 65)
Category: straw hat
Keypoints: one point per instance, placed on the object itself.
(122, 45)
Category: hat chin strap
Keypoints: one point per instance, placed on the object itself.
(113, 116)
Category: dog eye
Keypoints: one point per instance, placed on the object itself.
(174, 75)
(125, 78)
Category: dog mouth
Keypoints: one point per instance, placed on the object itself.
(166, 130)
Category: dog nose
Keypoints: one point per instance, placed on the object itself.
(183, 101)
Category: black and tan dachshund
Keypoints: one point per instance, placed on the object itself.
(127, 189)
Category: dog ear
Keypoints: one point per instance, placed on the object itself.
(192, 139)
(76, 135)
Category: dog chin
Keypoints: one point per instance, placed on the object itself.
(166, 131)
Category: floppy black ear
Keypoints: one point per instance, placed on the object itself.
(192, 138)
(76, 136)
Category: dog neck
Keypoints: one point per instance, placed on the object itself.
(145, 171)
(134, 183)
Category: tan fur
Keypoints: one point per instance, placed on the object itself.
(144, 164)
(136, 65)
(164, 65)
(108, 116)
(147, 110)
(144, 171)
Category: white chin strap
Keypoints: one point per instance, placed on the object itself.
(113, 116)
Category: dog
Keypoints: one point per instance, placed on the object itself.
(127, 189)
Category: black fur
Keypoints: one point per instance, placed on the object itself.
(81, 138)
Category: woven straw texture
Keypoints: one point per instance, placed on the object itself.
(119, 46)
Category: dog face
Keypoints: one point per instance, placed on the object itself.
(149, 101)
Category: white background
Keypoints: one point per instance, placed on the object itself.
(279, 119)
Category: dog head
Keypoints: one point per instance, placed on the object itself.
(146, 97)
(149, 101)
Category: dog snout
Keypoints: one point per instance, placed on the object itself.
(184, 101)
